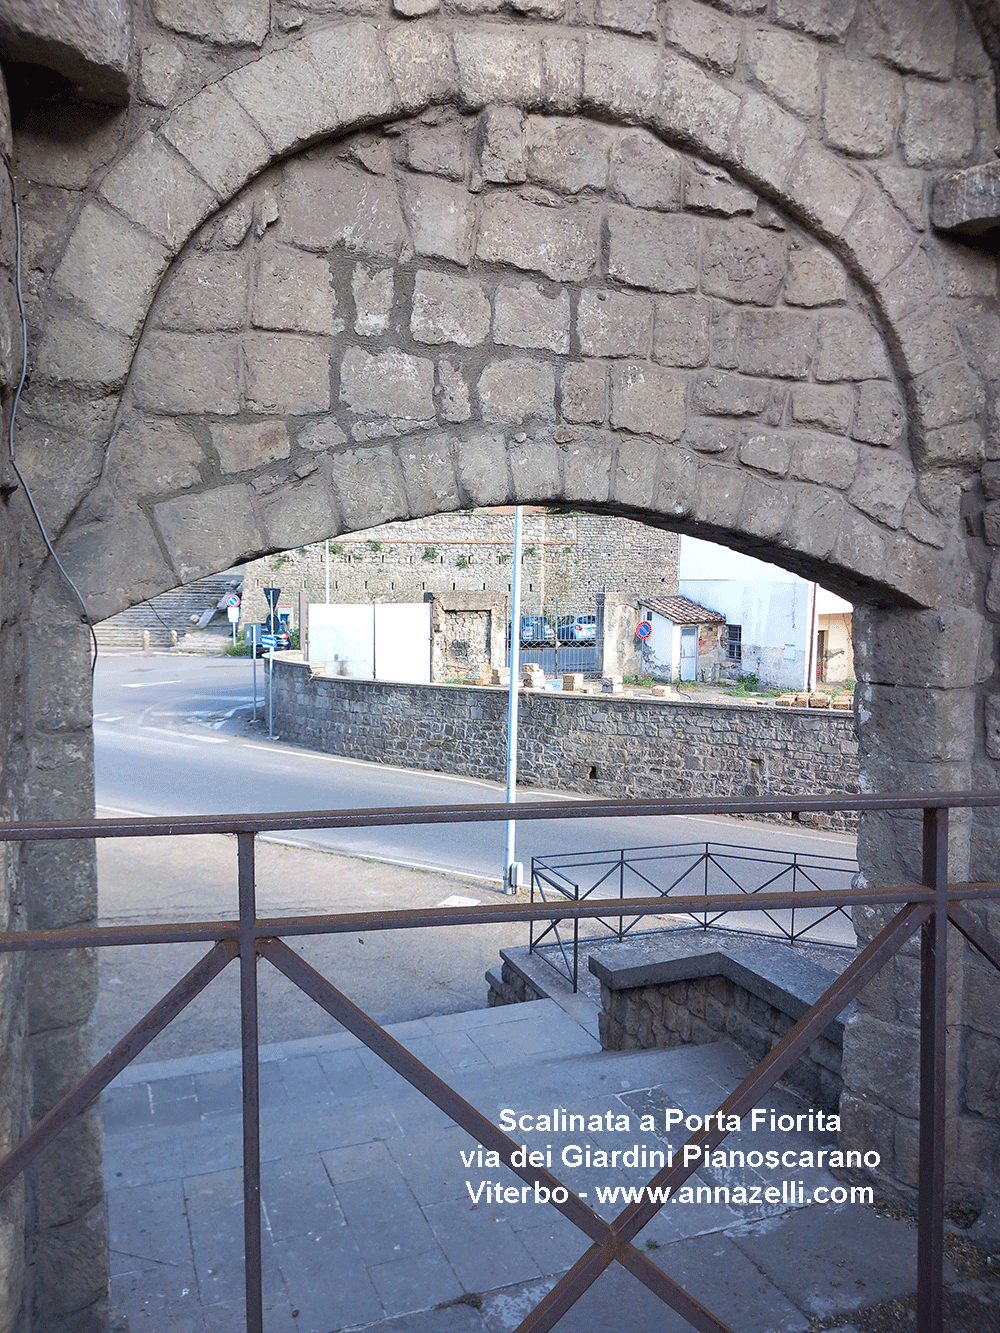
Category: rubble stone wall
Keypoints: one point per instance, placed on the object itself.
(605, 746)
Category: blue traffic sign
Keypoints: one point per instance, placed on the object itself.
(644, 629)
(269, 640)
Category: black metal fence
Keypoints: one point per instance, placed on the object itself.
(711, 868)
(927, 908)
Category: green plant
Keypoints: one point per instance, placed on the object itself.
(644, 681)
(336, 548)
(430, 553)
(462, 562)
(504, 558)
(747, 683)
(293, 639)
(530, 550)
(961, 1214)
(238, 649)
(281, 559)
(375, 546)
(652, 1244)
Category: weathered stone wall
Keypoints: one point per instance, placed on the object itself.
(672, 262)
(567, 559)
(598, 744)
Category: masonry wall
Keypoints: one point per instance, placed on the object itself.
(605, 746)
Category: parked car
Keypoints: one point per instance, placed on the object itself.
(283, 639)
(577, 629)
(536, 632)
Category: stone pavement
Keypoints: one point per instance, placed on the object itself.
(367, 1215)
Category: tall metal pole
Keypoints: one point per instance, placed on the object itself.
(328, 571)
(510, 873)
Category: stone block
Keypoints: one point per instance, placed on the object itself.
(635, 16)
(415, 9)
(827, 406)
(205, 293)
(89, 44)
(777, 343)
(946, 396)
(562, 242)
(848, 348)
(702, 33)
(880, 417)
(183, 372)
(452, 393)
(819, 18)
(648, 400)
(429, 477)
(286, 374)
(152, 455)
(651, 250)
(67, 1174)
(766, 140)
(161, 73)
(62, 989)
(501, 152)
(710, 437)
(482, 469)
(825, 461)
(921, 42)
(437, 149)
(209, 531)
(788, 67)
(992, 725)
(388, 384)
(587, 467)
(614, 324)
(681, 330)
(70, 1272)
(449, 309)
(325, 203)
(154, 187)
(990, 477)
(566, 155)
(743, 262)
(926, 726)
(242, 447)
(814, 278)
(883, 486)
(939, 128)
(929, 339)
(722, 395)
(815, 522)
(923, 649)
(369, 486)
(498, 65)
(563, 57)
(421, 65)
(695, 107)
(517, 388)
(967, 201)
(215, 134)
(584, 396)
(572, 682)
(765, 509)
(768, 452)
(824, 188)
(710, 189)
(373, 297)
(878, 235)
(111, 268)
(244, 23)
(294, 292)
(862, 107)
(525, 316)
(644, 172)
(536, 469)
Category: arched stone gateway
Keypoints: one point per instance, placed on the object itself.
(675, 265)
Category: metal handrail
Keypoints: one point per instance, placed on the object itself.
(928, 908)
(550, 872)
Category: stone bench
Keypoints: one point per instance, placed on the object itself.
(750, 989)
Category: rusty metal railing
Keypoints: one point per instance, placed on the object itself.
(927, 908)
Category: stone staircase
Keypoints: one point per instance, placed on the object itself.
(170, 611)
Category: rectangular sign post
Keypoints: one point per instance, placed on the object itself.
(254, 632)
(270, 641)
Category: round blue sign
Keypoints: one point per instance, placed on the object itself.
(644, 629)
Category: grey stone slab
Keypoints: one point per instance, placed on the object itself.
(833, 1259)
(305, 1082)
(480, 1244)
(383, 1217)
(327, 1282)
(458, 1317)
(142, 1159)
(415, 1114)
(359, 1162)
(431, 1164)
(219, 1091)
(126, 1109)
(298, 1197)
(554, 1244)
(348, 1075)
(215, 1215)
(415, 1281)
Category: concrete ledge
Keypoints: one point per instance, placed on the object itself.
(967, 202)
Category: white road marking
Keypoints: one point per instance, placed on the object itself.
(147, 684)
(456, 900)
(181, 737)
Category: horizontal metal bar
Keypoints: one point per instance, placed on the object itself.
(498, 812)
(93, 1084)
(415, 918)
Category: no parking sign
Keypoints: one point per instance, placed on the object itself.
(643, 630)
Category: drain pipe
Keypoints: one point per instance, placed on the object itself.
(513, 873)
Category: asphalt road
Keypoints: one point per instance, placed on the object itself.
(172, 736)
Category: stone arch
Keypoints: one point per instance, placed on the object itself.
(152, 200)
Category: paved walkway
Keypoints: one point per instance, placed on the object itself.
(368, 1219)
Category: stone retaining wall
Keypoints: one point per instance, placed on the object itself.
(599, 744)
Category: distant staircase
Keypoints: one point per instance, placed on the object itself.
(169, 611)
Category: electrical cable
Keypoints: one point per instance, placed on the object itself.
(13, 415)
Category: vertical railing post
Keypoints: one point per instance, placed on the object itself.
(621, 892)
(933, 1038)
(705, 921)
(795, 867)
(251, 1082)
